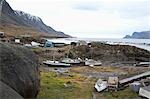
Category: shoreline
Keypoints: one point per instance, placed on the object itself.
(140, 43)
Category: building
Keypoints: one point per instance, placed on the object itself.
(54, 43)
(48, 44)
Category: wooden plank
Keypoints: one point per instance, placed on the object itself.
(146, 74)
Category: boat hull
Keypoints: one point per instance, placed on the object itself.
(56, 64)
(101, 85)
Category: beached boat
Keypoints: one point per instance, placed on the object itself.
(70, 61)
(145, 92)
(56, 63)
(91, 62)
(101, 85)
(146, 64)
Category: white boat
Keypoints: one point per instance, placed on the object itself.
(101, 85)
(91, 62)
(143, 64)
(145, 92)
(70, 61)
(55, 63)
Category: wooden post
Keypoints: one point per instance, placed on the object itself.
(1, 5)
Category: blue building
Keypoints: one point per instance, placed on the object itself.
(49, 44)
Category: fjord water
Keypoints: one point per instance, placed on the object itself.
(141, 43)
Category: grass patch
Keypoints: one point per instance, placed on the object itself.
(52, 87)
(79, 87)
(122, 94)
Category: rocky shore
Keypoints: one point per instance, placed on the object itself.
(112, 54)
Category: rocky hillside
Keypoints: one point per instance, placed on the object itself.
(19, 72)
(139, 35)
(13, 19)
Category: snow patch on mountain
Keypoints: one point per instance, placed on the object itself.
(27, 16)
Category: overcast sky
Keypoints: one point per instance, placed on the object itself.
(90, 18)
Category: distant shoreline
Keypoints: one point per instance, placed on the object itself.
(140, 43)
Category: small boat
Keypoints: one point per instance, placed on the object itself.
(56, 63)
(91, 62)
(70, 61)
(101, 85)
(146, 64)
(145, 92)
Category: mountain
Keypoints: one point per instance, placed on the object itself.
(139, 35)
(24, 22)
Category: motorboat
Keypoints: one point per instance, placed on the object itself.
(55, 63)
(70, 61)
(91, 62)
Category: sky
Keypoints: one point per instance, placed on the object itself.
(90, 18)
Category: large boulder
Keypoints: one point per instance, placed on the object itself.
(19, 70)
(7, 92)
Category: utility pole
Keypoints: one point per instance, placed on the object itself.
(1, 5)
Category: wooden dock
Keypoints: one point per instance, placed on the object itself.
(130, 79)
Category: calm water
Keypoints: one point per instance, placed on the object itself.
(141, 43)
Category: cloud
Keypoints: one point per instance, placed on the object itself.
(90, 18)
(135, 9)
(125, 9)
(87, 6)
(130, 9)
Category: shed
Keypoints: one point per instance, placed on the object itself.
(48, 44)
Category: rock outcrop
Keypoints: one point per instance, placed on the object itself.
(7, 92)
(111, 54)
(19, 70)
